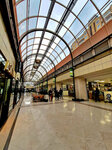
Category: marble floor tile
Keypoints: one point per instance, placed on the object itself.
(61, 126)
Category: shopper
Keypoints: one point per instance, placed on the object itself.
(61, 93)
(56, 94)
(50, 95)
(97, 95)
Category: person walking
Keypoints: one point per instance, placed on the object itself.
(61, 93)
(97, 94)
(50, 95)
(56, 94)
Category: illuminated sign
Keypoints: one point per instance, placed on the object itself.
(71, 72)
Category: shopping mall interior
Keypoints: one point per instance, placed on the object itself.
(56, 75)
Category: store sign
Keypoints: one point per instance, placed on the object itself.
(8, 67)
(17, 76)
(14, 73)
(54, 79)
(71, 72)
(108, 95)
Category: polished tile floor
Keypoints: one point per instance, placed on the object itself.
(61, 126)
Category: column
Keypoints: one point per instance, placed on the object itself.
(80, 88)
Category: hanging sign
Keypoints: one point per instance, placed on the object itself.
(54, 79)
(14, 73)
(71, 72)
(17, 76)
(8, 67)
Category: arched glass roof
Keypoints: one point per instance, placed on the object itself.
(69, 19)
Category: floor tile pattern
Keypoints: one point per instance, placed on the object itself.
(62, 126)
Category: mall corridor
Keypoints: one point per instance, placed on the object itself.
(55, 74)
(64, 125)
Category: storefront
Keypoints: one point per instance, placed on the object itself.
(104, 88)
(67, 89)
(7, 88)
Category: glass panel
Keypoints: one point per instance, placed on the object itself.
(50, 50)
(52, 25)
(48, 35)
(64, 2)
(58, 49)
(62, 44)
(30, 42)
(62, 31)
(53, 45)
(57, 12)
(23, 46)
(44, 7)
(36, 40)
(54, 53)
(79, 5)
(35, 47)
(62, 56)
(24, 57)
(68, 37)
(23, 40)
(34, 7)
(48, 54)
(107, 13)
(43, 47)
(21, 10)
(41, 52)
(31, 35)
(57, 40)
(69, 20)
(100, 3)
(22, 28)
(34, 51)
(29, 53)
(51, 57)
(41, 22)
(32, 23)
(38, 34)
(66, 51)
(30, 47)
(58, 59)
(39, 57)
(23, 52)
(88, 12)
(76, 25)
(55, 62)
(46, 42)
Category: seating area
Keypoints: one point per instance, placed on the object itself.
(39, 97)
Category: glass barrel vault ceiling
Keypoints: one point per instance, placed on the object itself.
(67, 18)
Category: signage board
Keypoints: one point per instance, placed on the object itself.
(108, 96)
(71, 72)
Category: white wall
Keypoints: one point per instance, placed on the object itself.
(5, 46)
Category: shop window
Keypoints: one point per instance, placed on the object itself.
(97, 21)
(94, 27)
(98, 26)
(90, 29)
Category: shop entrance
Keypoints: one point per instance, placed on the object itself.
(100, 90)
(5, 84)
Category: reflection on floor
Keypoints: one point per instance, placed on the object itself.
(101, 104)
(29, 101)
(61, 126)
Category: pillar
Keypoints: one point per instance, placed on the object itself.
(80, 88)
(58, 85)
